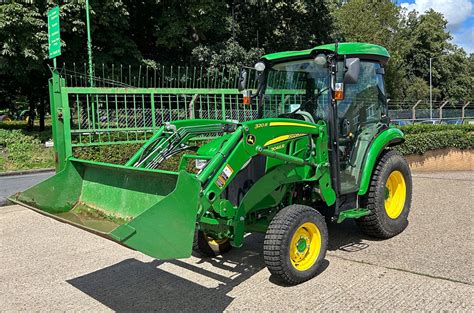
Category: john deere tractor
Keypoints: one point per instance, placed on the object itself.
(327, 158)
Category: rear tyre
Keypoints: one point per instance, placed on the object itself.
(208, 247)
(295, 244)
(388, 197)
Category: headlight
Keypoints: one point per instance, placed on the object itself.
(200, 164)
(260, 66)
(320, 59)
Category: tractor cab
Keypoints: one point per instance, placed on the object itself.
(348, 74)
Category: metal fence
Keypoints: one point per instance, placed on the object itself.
(155, 77)
(446, 111)
(117, 115)
(124, 108)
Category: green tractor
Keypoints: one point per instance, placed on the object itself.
(327, 159)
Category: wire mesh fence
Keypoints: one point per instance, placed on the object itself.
(422, 111)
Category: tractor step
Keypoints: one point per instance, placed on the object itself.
(352, 213)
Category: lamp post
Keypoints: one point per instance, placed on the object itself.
(431, 91)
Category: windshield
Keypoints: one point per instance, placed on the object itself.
(299, 85)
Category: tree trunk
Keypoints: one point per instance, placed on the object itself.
(31, 116)
(41, 114)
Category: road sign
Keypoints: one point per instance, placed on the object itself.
(54, 38)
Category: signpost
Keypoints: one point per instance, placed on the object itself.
(54, 37)
(89, 45)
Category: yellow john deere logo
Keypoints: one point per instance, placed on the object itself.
(251, 139)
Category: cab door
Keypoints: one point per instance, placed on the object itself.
(359, 115)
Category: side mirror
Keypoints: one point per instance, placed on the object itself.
(242, 83)
(352, 69)
(345, 127)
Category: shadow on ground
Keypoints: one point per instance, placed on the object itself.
(133, 285)
(347, 237)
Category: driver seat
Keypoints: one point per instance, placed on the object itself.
(299, 115)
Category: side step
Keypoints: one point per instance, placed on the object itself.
(352, 213)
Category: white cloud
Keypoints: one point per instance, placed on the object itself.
(465, 39)
(455, 11)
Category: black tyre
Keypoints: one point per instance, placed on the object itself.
(388, 197)
(208, 247)
(295, 244)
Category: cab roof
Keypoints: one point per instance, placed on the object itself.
(344, 48)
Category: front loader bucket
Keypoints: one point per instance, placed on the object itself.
(149, 211)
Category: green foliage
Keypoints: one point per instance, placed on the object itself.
(378, 22)
(23, 49)
(422, 138)
(225, 33)
(412, 39)
(42, 136)
(19, 151)
(229, 54)
(280, 25)
(427, 128)
(115, 154)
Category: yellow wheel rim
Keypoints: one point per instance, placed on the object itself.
(215, 242)
(395, 194)
(305, 246)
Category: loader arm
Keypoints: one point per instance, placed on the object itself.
(295, 151)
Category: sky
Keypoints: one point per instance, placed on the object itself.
(458, 13)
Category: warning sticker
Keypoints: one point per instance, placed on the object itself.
(227, 172)
(224, 176)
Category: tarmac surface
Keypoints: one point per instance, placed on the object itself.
(50, 266)
(10, 184)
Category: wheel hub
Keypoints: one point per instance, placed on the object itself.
(305, 246)
(302, 244)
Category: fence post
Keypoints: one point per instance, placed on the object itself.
(441, 109)
(153, 111)
(413, 111)
(191, 106)
(60, 122)
(223, 105)
(463, 110)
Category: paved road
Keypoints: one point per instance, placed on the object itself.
(12, 184)
(46, 266)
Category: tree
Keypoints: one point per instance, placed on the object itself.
(229, 54)
(110, 31)
(378, 22)
(167, 31)
(428, 38)
(450, 65)
(22, 55)
(281, 25)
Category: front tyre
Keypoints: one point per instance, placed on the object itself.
(295, 244)
(206, 246)
(388, 197)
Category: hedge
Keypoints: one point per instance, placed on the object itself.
(419, 143)
(422, 138)
(116, 154)
(22, 150)
(425, 128)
